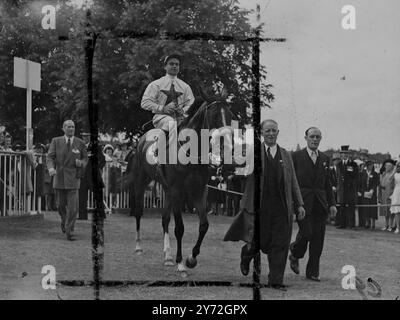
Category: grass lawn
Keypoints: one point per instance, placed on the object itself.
(27, 246)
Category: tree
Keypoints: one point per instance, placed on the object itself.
(124, 66)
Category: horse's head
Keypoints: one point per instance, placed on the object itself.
(214, 117)
(209, 115)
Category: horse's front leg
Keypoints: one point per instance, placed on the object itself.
(200, 205)
(166, 218)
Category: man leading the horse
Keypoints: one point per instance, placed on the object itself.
(169, 98)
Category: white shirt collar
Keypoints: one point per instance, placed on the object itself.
(168, 76)
(272, 149)
(311, 151)
(66, 139)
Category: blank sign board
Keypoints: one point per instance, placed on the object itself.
(26, 74)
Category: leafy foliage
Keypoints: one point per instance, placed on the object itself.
(123, 66)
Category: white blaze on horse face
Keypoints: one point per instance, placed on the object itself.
(190, 147)
(246, 141)
(205, 136)
(226, 134)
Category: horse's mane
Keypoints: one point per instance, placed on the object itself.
(194, 112)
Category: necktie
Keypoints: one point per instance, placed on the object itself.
(69, 144)
(314, 156)
(269, 153)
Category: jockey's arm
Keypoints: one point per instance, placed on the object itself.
(149, 100)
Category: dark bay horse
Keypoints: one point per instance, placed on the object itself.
(181, 181)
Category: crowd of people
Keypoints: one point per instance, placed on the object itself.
(114, 152)
(367, 186)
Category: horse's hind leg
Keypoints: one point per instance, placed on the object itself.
(179, 230)
(138, 248)
(200, 205)
(166, 218)
(138, 212)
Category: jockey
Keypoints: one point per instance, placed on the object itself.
(169, 98)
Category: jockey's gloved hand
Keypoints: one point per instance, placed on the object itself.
(170, 109)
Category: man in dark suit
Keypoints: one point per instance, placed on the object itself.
(66, 158)
(87, 176)
(334, 175)
(312, 171)
(280, 200)
(347, 189)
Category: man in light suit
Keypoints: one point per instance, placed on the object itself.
(280, 200)
(313, 175)
(66, 158)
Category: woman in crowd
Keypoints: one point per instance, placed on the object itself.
(385, 190)
(369, 181)
(395, 209)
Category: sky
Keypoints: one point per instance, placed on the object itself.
(307, 72)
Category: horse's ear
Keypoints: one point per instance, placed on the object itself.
(224, 93)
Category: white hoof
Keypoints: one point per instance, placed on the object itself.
(182, 270)
(138, 250)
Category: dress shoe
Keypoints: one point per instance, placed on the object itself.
(280, 287)
(62, 228)
(313, 278)
(294, 264)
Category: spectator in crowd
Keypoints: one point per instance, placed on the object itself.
(49, 193)
(234, 183)
(385, 190)
(334, 178)
(369, 181)
(87, 179)
(122, 151)
(215, 197)
(24, 168)
(7, 142)
(347, 189)
(108, 152)
(2, 138)
(40, 159)
(2, 164)
(395, 198)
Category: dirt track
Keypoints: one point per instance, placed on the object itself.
(25, 247)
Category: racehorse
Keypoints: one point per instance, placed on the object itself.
(180, 181)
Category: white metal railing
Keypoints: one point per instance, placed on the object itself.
(22, 177)
(18, 183)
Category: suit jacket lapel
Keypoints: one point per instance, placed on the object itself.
(70, 153)
(263, 169)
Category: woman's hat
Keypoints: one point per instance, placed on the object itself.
(393, 162)
(107, 146)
